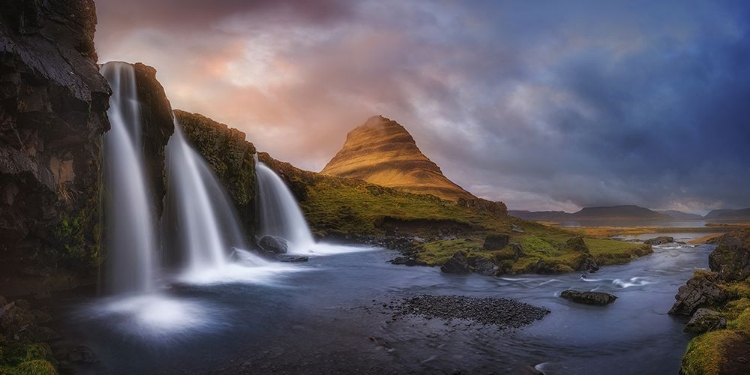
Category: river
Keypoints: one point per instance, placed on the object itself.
(332, 315)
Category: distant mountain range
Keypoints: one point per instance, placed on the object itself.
(629, 212)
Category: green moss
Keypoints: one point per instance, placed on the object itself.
(74, 235)
(607, 252)
(35, 367)
(704, 353)
(438, 252)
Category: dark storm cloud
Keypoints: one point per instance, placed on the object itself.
(543, 105)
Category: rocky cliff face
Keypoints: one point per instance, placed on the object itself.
(53, 107)
(382, 152)
(229, 155)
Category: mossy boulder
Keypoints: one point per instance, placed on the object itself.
(702, 290)
(458, 264)
(731, 258)
(705, 320)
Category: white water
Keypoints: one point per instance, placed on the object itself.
(279, 214)
(130, 235)
(204, 219)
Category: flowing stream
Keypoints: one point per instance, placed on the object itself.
(333, 316)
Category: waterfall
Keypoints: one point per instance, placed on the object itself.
(279, 214)
(204, 219)
(128, 216)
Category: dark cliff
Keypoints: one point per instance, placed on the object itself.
(53, 107)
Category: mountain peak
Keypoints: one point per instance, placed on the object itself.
(382, 152)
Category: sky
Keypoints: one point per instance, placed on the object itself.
(544, 105)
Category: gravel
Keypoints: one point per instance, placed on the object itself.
(505, 313)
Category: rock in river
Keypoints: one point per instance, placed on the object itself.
(659, 240)
(588, 298)
(273, 244)
(458, 264)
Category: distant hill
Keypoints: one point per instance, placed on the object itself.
(382, 152)
(627, 212)
(681, 215)
(728, 214)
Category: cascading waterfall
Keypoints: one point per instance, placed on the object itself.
(279, 214)
(130, 235)
(204, 219)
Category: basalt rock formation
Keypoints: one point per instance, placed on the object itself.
(725, 289)
(382, 152)
(229, 155)
(52, 116)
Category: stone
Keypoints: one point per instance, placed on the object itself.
(659, 240)
(516, 228)
(576, 244)
(495, 241)
(81, 354)
(485, 267)
(731, 258)
(273, 244)
(700, 291)
(705, 320)
(517, 250)
(408, 261)
(286, 258)
(458, 264)
(588, 298)
(586, 263)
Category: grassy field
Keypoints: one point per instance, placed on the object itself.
(351, 209)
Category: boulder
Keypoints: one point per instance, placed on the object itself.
(588, 298)
(517, 250)
(485, 267)
(286, 258)
(273, 244)
(731, 258)
(495, 241)
(659, 240)
(458, 264)
(516, 228)
(586, 263)
(700, 291)
(576, 244)
(705, 320)
(408, 261)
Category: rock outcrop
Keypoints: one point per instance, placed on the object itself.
(382, 152)
(702, 290)
(52, 116)
(458, 264)
(705, 320)
(229, 155)
(588, 298)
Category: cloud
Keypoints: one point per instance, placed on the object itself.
(555, 106)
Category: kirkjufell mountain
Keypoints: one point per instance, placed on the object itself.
(382, 152)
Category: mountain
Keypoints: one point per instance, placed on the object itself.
(382, 152)
(681, 215)
(729, 214)
(619, 212)
(628, 212)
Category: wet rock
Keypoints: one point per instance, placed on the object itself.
(458, 264)
(705, 320)
(661, 240)
(408, 261)
(485, 267)
(586, 263)
(81, 354)
(588, 298)
(495, 241)
(286, 258)
(731, 258)
(273, 244)
(700, 291)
